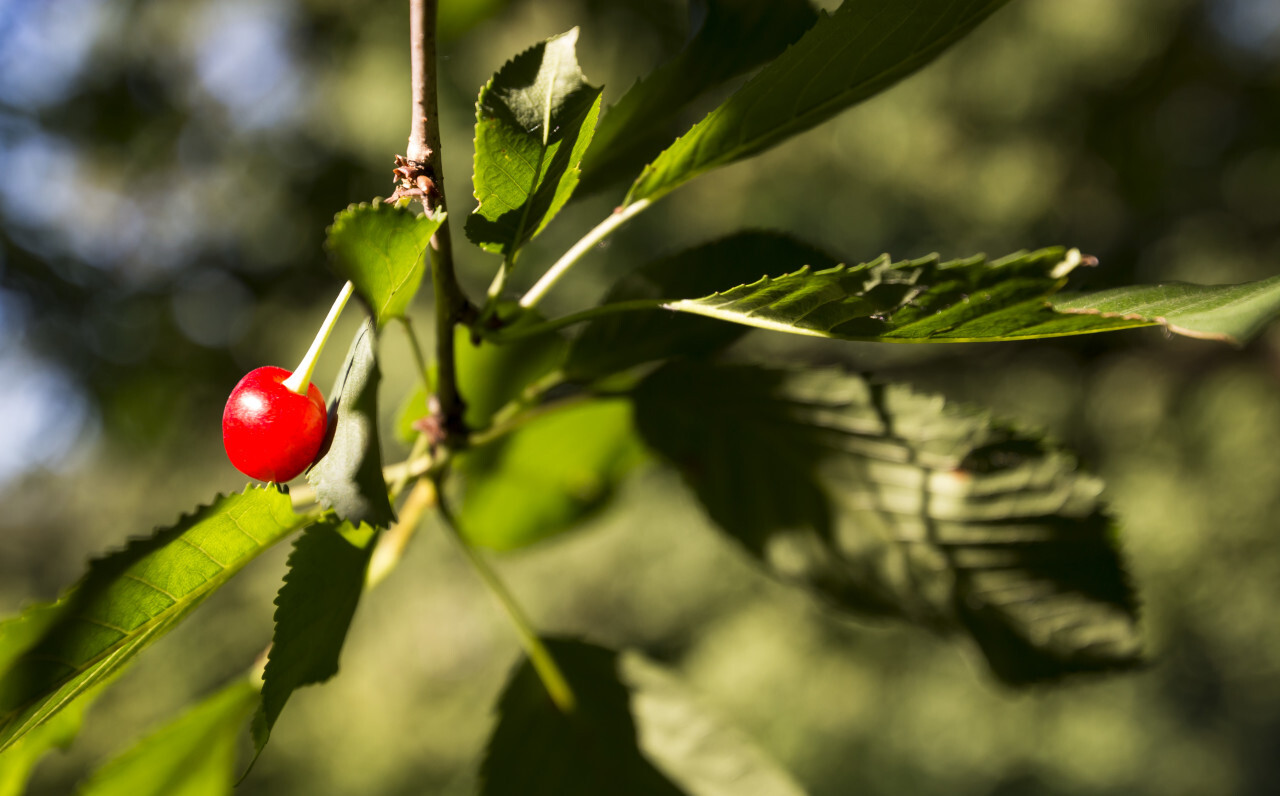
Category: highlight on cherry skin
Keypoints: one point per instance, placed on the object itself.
(272, 433)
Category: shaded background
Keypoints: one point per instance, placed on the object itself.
(167, 170)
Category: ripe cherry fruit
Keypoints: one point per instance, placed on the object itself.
(275, 420)
(271, 432)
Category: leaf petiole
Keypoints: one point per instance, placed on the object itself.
(534, 329)
(602, 230)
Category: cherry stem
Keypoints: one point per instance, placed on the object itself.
(301, 377)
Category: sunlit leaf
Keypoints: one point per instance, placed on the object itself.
(313, 612)
(616, 342)
(548, 476)
(534, 120)
(194, 755)
(1232, 313)
(913, 301)
(380, 248)
(536, 750)
(735, 36)
(886, 501)
(348, 475)
(132, 597)
(857, 52)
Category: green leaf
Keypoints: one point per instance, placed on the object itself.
(889, 502)
(313, 612)
(735, 36)
(19, 760)
(192, 756)
(491, 375)
(698, 749)
(1231, 313)
(536, 750)
(862, 49)
(380, 248)
(546, 477)
(534, 120)
(912, 301)
(130, 598)
(616, 342)
(348, 475)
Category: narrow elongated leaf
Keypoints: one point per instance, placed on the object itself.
(381, 249)
(912, 301)
(348, 474)
(862, 49)
(1232, 313)
(889, 502)
(735, 36)
(313, 612)
(617, 342)
(194, 755)
(534, 121)
(548, 476)
(536, 750)
(132, 597)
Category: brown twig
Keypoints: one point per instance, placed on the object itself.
(420, 174)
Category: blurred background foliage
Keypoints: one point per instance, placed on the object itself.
(167, 169)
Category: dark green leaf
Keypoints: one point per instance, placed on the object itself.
(313, 612)
(862, 49)
(891, 502)
(380, 248)
(130, 598)
(548, 476)
(348, 474)
(617, 342)
(534, 120)
(536, 750)
(1232, 313)
(192, 756)
(912, 301)
(735, 36)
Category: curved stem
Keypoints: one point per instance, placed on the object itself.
(543, 663)
(603, 230)
(534, 329)
(300, 379)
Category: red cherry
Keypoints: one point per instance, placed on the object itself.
(271, 432)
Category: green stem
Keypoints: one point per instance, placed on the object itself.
(300, 379)
(534, 329)
(557, 271)
(543, 663)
